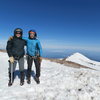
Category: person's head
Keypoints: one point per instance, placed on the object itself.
(32, 34)
(18, 32)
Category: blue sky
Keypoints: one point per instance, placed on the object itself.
(60, 24)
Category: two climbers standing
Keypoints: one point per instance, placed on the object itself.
(16, 52)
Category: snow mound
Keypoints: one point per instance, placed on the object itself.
(82, 60)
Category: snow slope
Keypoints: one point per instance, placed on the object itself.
(82, 60)
(58, 82)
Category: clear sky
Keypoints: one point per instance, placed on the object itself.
(60, 24)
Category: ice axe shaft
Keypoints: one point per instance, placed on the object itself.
(11, 72)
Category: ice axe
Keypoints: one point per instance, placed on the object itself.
(12, 72)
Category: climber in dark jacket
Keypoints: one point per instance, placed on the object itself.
(15, 50)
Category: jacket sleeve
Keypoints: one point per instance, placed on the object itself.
(9, 48)
(39, 47)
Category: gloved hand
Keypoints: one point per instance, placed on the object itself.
(40, 59)
(11, 59)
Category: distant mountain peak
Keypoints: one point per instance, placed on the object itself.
(83, 60)
(77, 56)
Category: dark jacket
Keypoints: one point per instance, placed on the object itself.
(15, 48)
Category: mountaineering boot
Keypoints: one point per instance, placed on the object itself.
(28, 77)
(10, 83)
(21, 78)
(37, 79)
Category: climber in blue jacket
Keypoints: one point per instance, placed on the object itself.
(34, 53)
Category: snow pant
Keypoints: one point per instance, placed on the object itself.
(37, 65)
(21, 65)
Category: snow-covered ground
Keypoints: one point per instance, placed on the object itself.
(82, 60)
(58, 82)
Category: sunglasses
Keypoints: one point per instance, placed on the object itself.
(32, 34)
(18, 32)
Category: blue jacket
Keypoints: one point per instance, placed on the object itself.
(33, 47)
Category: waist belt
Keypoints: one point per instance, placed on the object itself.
(34, 57)
(17, 57)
